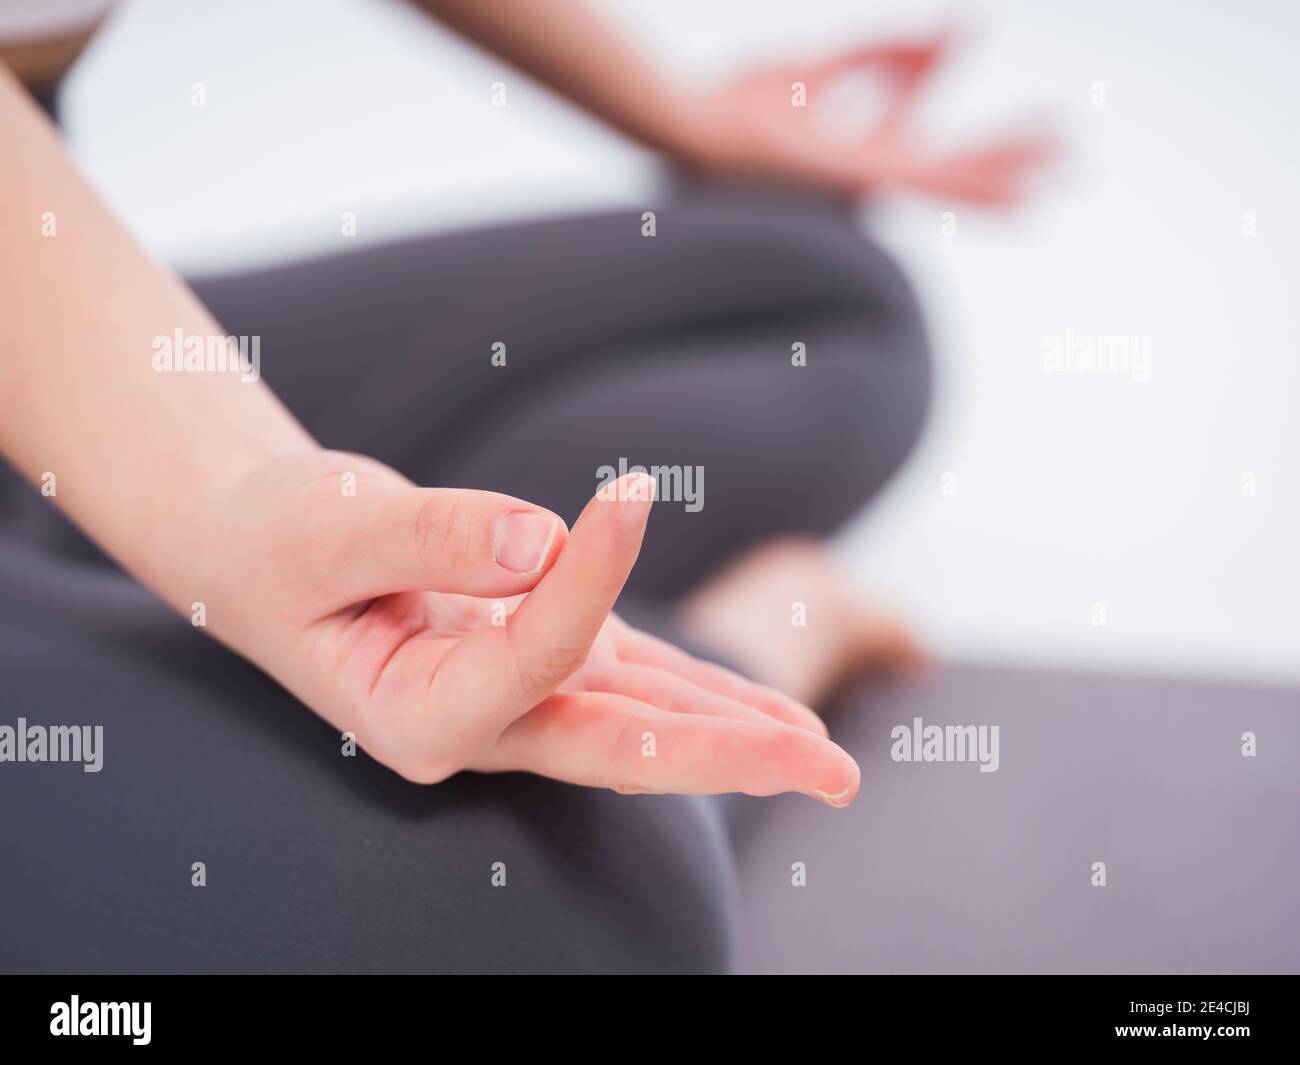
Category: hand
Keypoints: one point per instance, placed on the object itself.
(454, 629)
(750, 130)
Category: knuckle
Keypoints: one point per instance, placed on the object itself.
(788, 746)
(548, 666)
(444, 530)
(433, 766)
(426, 772)
(615, 773)
(409, 747)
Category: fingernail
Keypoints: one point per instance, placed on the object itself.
(639, 497)
(838, 801)
(523, 540)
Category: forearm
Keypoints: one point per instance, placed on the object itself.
(566, 45)
(139, 458)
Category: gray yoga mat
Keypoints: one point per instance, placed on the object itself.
(940, 868)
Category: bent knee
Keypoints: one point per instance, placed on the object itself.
(795, 253)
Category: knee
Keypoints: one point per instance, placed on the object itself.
(588, 881)
(843, 287)
(898, 339)
(886, 362)
(518, 874)
(504, 873)
(870, 379)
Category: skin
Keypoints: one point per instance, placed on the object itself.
(446, 629)
(373, 607)
(743, 613)
(746, 129)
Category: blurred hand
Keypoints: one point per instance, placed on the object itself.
(454, 629)
(750, 130)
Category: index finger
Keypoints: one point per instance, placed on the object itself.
(499, 673)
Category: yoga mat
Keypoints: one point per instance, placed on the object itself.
(939, 867)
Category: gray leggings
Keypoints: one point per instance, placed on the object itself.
(674, 350)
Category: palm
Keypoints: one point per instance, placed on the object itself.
(385, 609)
(629, 686)
(360, 647)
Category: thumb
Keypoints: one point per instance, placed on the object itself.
(498, 674)
(402, 538)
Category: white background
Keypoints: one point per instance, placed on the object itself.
(1071, 489)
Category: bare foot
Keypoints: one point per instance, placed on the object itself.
(784, 613)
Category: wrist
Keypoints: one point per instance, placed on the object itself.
(680, 128)
(193, 532)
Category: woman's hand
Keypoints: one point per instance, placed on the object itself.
(751, 129)
(454, 629)
(445, 629)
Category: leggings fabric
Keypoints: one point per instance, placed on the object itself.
(672, 349)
